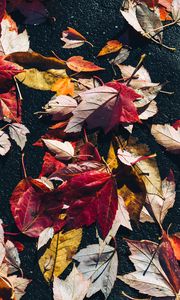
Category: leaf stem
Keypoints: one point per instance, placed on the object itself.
(23, 166)
(87, 42)
(136, 69)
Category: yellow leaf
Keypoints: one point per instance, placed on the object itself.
(63, 86)
(112, 159)
(40, 80)
(60, 252)
(110, 47)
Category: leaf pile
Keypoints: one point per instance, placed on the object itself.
(78, 188)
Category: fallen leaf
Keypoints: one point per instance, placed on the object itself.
(18, 133)
(63, 86)
(40, 80)
(167, 136)
(2, 9)
(74, 287)
(50, 165)
(36, 60)
(12, 257)
(7, 71)
(11, 40)
(100, 268)
(60, 252)
(62, 150)
(130, 159)
(176, 11)
(89, 152)
(33, 210)
(78, 64)
(45, 236)
(152, 281)
(104, 107)
(110, 47)
(4, 143)
(72, 38)
(121, 57)
(19, 285)
(60, 107)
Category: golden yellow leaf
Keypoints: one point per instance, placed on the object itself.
(60, 252)
(112, 159)
(63, 86)
(40, 80)
(110, 47)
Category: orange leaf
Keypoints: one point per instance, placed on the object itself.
(110, 47)
(164, 15)
(78, 64)
(63, 86)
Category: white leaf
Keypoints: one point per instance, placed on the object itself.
(18, 133)
(101, 268)
(148, 111)
(10, 39)
(145, 216)
(176, 10)
(60, 106)
(12, 257)
(167, 136)
(74, 287)
(4, 143)
(63, 150)
(45, 236)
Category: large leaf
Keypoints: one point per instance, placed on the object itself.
(60, 252)
(104, 107)
(100, 268)
(149, 277)
(34, 210)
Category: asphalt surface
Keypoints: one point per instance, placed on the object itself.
(99, 21)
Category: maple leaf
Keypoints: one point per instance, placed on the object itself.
(34, 11)
(72, 38)
(74, 287)
(105, 106)
(10, 106)
(110, 47)
(63, 86)
(100, 268)
(34, 210)
(92, 197)
(167, 136)
(60, 107)
(10, 40)
(149, 277)
(78, 64)
(60, 252)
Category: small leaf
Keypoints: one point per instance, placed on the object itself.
(72, 38)
(60, 252)
(62, 150)
(18, 133)
(110, 47)
(63, 86)
(45, 236)
(78, 64)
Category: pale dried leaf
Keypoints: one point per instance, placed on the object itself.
(18, 133)
(12, 257)
(62, 150)
(19, 285)
(74, 287)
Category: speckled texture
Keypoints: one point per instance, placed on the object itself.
(99, 21)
